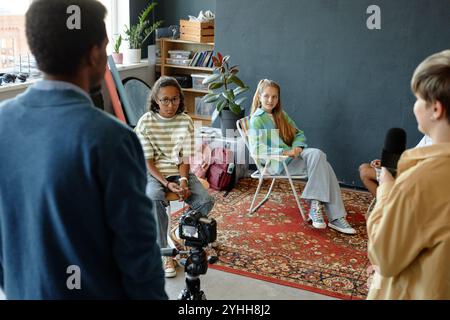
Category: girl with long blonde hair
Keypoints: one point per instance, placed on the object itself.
(272, 131)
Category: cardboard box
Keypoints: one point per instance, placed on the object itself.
(202, 32)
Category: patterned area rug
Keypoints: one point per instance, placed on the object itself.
(275, 245)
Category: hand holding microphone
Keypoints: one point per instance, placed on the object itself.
(385, 176)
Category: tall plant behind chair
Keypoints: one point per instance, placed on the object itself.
(221, 92)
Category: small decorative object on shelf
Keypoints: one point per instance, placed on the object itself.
(202, 32)
(117, 55)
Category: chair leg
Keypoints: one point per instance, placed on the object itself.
(253, 210)
(297, 199)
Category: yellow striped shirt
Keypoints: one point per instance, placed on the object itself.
(166, 141)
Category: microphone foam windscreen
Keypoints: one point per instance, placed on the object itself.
(395, 141)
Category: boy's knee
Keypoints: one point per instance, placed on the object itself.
(317, 153)
(365, 171)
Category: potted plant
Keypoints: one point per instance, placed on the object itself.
(137, 34)
(224, 89)
(117, 55)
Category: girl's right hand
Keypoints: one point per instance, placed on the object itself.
(175, 188)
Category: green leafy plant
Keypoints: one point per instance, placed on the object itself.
(117, 44)
(220, 86)
(138, 33)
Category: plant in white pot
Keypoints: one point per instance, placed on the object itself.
(222, 93)
(137, 34)
(117, 55)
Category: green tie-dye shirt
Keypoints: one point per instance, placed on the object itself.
(264, 138)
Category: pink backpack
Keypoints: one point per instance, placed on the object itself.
(201, 161)
(220, 171)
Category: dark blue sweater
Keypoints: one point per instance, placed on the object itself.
(72, 192)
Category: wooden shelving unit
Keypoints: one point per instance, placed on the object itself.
(190, 94)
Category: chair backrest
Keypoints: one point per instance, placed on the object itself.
(243, 126)
(138, 93)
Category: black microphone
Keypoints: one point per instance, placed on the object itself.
(394, 145)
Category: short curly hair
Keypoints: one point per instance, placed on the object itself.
(59, 50)
(163, 82)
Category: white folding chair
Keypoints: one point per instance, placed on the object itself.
(261, 173)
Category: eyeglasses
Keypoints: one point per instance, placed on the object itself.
(167, 101)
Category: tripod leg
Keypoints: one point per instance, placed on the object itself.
(192, 290)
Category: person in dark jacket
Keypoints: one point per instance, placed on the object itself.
(75, 222)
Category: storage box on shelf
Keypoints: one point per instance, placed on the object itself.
(183, 51)
(197, 81)
(197, 31)
(202, 108)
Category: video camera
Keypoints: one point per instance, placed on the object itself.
(197, 231)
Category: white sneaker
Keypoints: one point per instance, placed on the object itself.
(315, 214)
(342, 225)
(169, 267)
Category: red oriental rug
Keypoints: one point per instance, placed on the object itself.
(275, 245)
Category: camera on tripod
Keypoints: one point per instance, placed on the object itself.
(197, 231)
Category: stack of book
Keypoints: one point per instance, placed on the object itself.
(202, 59)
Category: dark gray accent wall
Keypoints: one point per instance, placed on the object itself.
(343, 84)
(171, 11)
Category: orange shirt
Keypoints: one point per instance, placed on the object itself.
(409, 228)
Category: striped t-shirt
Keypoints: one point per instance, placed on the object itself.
(166, 141)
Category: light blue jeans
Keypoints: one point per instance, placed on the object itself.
(322, 183)
(199, 200)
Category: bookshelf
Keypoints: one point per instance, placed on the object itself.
(167, 44)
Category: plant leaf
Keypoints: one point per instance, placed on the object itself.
(211, 97)
(240, 101)
(235, 108)
(216, 62)
(229, 95)
(211, 78)
(235, 79)
(239, 90)
(221, 105)
(234, 71)
(225, 59)
(219, 56)
(215, 85)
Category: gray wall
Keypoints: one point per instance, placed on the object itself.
(171, 11)
(343, 84)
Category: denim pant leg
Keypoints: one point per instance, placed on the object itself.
(322, 183)
(200, 200)
(157, 194)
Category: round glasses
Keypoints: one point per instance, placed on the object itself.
(167, 101)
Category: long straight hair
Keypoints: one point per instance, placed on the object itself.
(287, 131)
